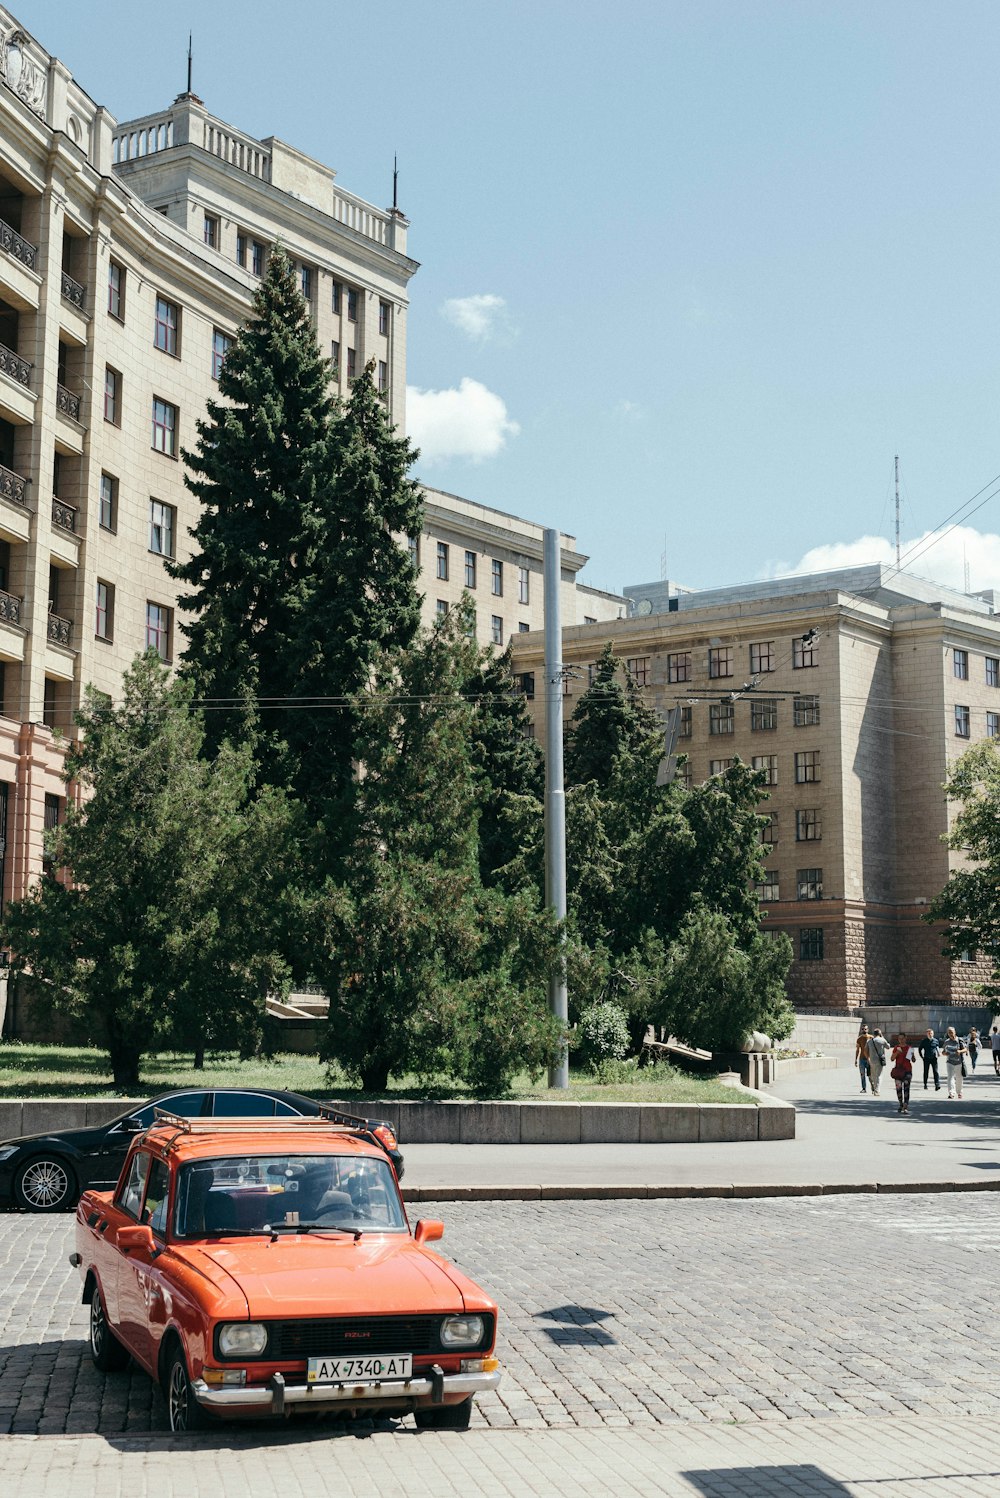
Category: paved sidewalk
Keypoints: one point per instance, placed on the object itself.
(890, 1459)
(841, 1139)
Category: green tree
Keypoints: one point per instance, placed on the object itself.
(165, 929)
(297, 584)
(612, 726)
(508, 763)
(970, 901)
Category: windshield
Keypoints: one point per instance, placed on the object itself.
(267, 1193)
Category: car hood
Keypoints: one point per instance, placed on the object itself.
(310, 1275)
(78, 1139)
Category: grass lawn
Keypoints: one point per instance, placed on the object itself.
(32, 1071)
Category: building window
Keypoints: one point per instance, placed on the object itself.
(497, 578)
(470, 569)
(352, 305)
(992, 725)
(158, 629)
(496, 629)
(805, 712)
(720, 661)
(112, 396)
(162, 519)
(769, 830)
(962, 722)
(306, 281)
(993, 671)
(104, 624)
(684, 730)
(969, 955)
(164, 427)
(108, 501)
(721, 717)
(165, 326)
(336, 296)
(413, 548)
(811, 944)
(257, 258)
(761, 657)
(960, 664)
(685, 774)
(805, 650)
(763, 714)
(679, 666)
(767, 888)
(808, 825)
(211, 231)
(523, 585)
(588, 620)
(523, 628)
(719, 766)
(807, 767)
(53, 804)
(809, 884)
(637, 667)
(442, 607)
(442, 561)
(769, 764)
(383, 377)
(116, 290)
(241, 249)
(335, 356)
(383, 318)
(352, 363)
(526, 682)
(221, 344)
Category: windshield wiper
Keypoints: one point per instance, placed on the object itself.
(312, 1227)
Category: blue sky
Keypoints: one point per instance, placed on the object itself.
(691, 273)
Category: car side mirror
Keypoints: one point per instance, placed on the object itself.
(428, 1231)
(133, 1125)
(140, 1236)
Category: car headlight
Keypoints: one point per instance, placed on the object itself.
(461, 1331)
(6, 1150)
(242, 1339)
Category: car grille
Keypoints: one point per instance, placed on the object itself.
(342, 1335)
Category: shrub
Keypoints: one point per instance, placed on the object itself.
(602, 1034)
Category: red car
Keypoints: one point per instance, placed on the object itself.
(262, 1268)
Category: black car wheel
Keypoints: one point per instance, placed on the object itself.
(444, 1416)
(45, 1184)
(185, 1413)
(106, 1352)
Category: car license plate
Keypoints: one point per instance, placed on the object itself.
(365, 1370)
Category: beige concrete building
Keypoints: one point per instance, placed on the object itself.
(853, 691)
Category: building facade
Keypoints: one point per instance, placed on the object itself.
(853, 691)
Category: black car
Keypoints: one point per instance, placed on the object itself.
(47, 1172)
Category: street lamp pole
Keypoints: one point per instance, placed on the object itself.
(555, 796)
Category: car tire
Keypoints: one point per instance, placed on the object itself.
(444, 1416)
(183, 1410)
(106, 1352)
(45, 1184)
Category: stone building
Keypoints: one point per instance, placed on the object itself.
(853, 690)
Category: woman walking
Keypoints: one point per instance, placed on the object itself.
(975, 1045)
(954, 1056)
(861, 1056)
(902, 1071)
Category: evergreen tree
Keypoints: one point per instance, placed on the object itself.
(507, 762)
(612, 723)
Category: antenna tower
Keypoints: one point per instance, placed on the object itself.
(897, 513)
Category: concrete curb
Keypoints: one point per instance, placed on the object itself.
(733, 1191)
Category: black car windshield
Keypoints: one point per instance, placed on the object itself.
(253, 1194)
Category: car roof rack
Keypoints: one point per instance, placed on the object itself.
(344, 1123)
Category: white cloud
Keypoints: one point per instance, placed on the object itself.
(479, 317)
(470, 422)
(940, 556)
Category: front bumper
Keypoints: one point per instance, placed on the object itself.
(276, 1396)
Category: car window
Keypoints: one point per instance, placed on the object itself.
(129, 1196)
(154, 1208)
(185, 1104)
(243, 1105)
(253, 1193)
(283, 1110)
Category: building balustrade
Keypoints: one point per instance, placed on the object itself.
(67, 402)
(63, 515)
(13, 365)
(16, 246)
(72, 291)
(10, 608)
(60, 630)
(12, 486)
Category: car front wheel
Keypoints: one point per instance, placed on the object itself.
(106, 1352)
(45, 1184)
(444, 1416)
(185, 1413)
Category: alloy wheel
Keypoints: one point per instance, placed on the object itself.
(44, 1185)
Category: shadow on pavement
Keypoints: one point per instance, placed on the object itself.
(760, 1482)
(578, 1326)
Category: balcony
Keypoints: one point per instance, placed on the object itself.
(16, 246)
(60, 631)
(72, 291)
(14, 366)
(67, 404)
(12, 486)
(10, 608)
(63, 515)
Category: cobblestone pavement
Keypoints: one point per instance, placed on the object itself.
(625, 1314)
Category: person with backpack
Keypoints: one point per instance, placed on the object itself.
(877, 1049)
(902, 1071)
(954, 1056)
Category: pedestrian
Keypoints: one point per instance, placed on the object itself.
(954, 1057)
(877, 1049)
(902, 1071)
(861, 1056)
(995, 1047)
(974, 1044)
(929, 1049)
